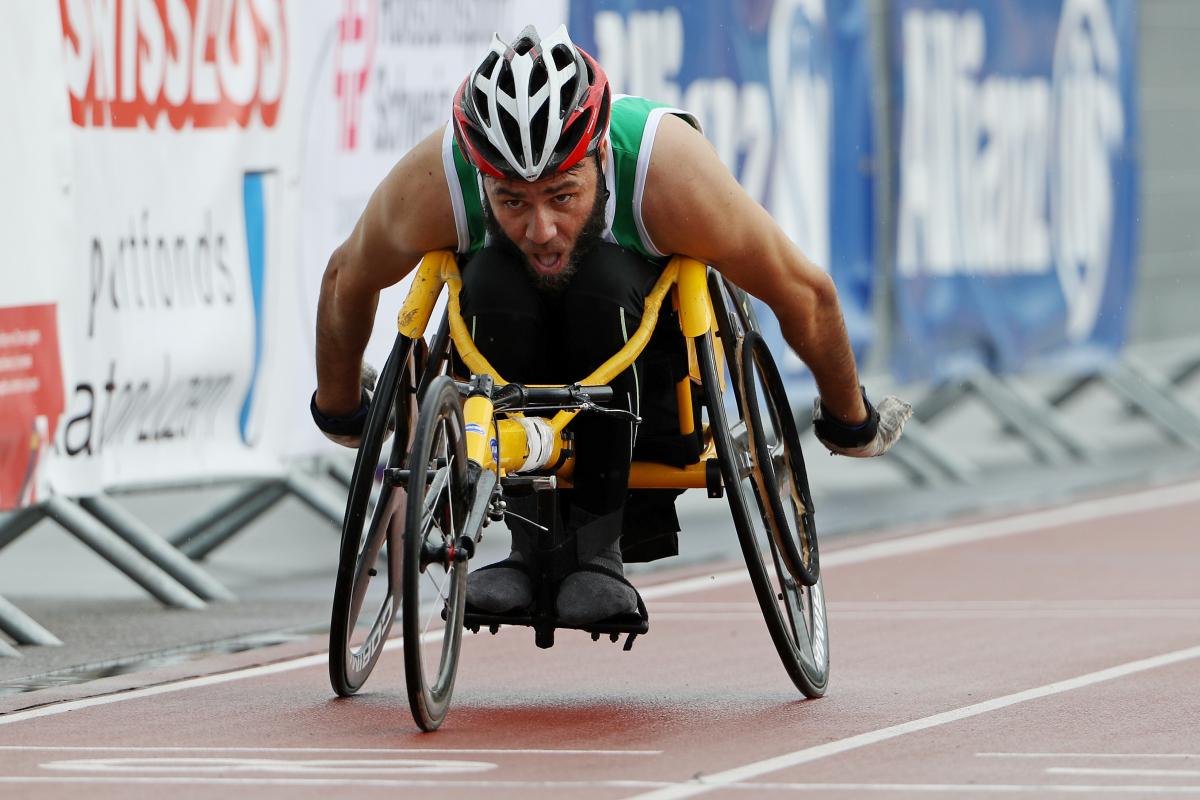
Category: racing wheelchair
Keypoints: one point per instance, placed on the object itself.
(417, 507)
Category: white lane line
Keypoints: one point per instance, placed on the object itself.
(733, 776)
(1082, 511)
(1078, 512)
(755, 788)
(227, 765)
(938, 616)
(364, 750)
(1125, 772)
(1088, 755)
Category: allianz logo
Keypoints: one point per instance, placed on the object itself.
(1010, 175)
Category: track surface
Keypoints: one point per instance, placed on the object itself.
(1044, 654)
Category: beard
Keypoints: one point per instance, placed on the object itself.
(585, 242)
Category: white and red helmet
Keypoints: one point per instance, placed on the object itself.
(532, 108)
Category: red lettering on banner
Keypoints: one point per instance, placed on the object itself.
(353, 56)
(31, 397)
(199, 63)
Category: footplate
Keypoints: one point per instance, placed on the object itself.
(633, 625)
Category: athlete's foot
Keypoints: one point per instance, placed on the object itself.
(496, 589)
(587, 596)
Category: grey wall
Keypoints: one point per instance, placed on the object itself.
(1168, 289)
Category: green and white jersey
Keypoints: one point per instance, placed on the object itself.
(632, 125)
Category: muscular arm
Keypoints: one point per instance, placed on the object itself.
(702, 212)
(408, 215)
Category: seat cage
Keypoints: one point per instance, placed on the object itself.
(502, 444)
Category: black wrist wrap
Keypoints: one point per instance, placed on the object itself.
(832, 430)
(352, 425)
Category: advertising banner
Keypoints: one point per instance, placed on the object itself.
(378, 77)
(783, 91)
(1016, 183)
(31, 398)
(180, 145)
(35, 219)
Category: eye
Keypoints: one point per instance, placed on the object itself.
(562, 199)
(513, 204)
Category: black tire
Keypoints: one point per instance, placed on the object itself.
(435, 519)
(776, 460)
(354, 647)
(794, 614)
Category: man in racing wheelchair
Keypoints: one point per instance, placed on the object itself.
(564, 202)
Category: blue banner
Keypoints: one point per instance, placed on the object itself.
(783, 91)
(1016, 183)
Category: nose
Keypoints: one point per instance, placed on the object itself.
(541, 228)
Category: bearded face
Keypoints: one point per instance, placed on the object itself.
(552, 223)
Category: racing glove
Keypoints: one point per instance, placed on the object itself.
(348, 430)
(872, 438)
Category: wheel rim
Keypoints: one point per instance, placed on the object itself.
(434, 579)
(795, 615)
(777, 463)
(366, 597)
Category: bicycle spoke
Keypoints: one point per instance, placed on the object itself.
(433, 612)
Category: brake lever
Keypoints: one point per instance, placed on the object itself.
(586, 404)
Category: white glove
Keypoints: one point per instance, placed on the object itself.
(887, 420)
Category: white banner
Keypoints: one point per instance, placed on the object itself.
(183, 135)
(380, 76)
(178, 172)
(35, 213)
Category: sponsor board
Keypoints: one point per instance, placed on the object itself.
(177, 142)
(1017, 183)
(782, 89)
(192, 63)
(31, 398)
(379, 77)
(35, 216)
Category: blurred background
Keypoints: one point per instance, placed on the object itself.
(1005, 192)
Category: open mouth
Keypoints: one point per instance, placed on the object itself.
(546, 263)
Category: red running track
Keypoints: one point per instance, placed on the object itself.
(1050, 653)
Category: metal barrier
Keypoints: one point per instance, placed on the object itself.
(1146, 390)
(163, 566)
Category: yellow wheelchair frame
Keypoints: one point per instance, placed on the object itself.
(422, 509)
(684, 278)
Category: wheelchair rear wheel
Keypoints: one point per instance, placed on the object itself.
(794, 613)
(778, 464)
(435, 558)
(370, 529)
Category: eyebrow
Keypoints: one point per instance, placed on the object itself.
(567, 182)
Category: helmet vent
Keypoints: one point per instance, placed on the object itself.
(602, 119)
(538, 77)
(527, 40)
(537, 131)
(566, 95)
(486, 149)
(574, 132)
(489, 62)
(512, 135)
(481, 106)
(505, 82)
(562, 57)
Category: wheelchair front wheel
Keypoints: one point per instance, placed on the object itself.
(794, 613)
(374, 512)
(435, 565)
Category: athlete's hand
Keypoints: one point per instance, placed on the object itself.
(347, 430)
(873, 438)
